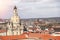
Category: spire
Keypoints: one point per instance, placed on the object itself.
(15, 11)
(15, 7)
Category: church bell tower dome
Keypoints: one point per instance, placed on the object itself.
(15, 18)
(14, 27)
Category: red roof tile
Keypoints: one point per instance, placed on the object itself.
(1, 31)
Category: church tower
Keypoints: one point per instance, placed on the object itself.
(15, 18)
(15, 26)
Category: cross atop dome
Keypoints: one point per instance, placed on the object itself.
(15, 7)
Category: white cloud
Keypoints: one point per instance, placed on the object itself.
(35, 8)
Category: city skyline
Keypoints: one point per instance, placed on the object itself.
(30, 8)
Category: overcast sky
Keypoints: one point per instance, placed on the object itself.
(30, 8)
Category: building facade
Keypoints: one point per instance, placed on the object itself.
(14, 26)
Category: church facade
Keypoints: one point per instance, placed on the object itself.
(14, 27)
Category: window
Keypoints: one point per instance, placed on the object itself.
(0, 28)
(17, 32)
(13, 33)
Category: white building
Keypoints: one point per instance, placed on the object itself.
(14, 26)
(2, 32)
(3, 27)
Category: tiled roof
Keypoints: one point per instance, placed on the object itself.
(31, 35)
(2, 31)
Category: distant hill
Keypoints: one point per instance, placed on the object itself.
(52, 19)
